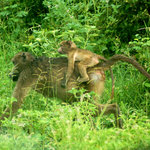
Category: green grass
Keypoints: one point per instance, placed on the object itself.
(45, 123)
(50, 124)
(11, 140)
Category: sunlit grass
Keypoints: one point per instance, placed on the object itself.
(45, 123)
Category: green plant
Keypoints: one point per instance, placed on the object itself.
(104, 27)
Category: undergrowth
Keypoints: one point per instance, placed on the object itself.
(104, 27)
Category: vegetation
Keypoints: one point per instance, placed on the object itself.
(106, 27)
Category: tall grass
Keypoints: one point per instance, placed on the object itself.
(50, 124)
(44, 123)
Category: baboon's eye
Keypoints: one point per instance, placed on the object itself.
(24, 56)
(69, 43)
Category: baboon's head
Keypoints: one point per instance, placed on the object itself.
(22, 58)
(66, 46)
(21, 61)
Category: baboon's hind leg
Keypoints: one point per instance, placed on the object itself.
(107, 109)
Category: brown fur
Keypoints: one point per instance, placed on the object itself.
(85, 58)
(44, 76)
(116, 58)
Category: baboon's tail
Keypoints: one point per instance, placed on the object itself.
(101, 57)
(116, 58)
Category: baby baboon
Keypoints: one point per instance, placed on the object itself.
(85, 58)
(44, 76)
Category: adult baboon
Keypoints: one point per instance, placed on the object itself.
(44, 76)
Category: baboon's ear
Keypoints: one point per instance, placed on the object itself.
(23, 56)
(72, 44)
(69, 42)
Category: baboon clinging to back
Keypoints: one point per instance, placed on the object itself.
(44, 76)
(85, 58)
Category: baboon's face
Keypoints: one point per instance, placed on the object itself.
(21, 61)
(14, 74)
(66, 46)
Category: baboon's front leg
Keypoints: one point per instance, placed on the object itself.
(69, 71)
(20, 91)
(111, 109)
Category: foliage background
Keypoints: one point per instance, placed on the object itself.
(106, 27)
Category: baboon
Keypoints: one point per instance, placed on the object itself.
(85, 58)
(44, 76)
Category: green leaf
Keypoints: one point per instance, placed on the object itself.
(22, 13)
(147, 85)
(14, 6)
(4, 13)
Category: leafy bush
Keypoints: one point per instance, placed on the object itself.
(105, 27)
